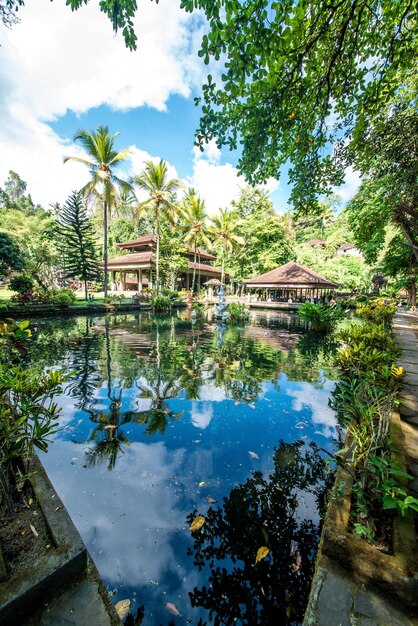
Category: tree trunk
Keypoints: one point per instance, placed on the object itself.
(194, 269)
(157, 263)
(85, 290)
(412, 293)
(404, 226)
(105, 246)
(222, 272)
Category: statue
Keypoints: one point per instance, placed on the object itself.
(221, 307)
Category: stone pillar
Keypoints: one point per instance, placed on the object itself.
(113, 282)
(150, 278)
(139, 280)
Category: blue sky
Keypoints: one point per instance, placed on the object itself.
(61, 71)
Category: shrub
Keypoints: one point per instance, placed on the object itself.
(322, 318)
(161, 303)
(379, 311)
(170, 293)
(61, 297)
(22, 283)
(237, 312)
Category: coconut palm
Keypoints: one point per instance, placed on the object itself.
(223, 230)
(102, 157)
(161, 200)
(194, 224)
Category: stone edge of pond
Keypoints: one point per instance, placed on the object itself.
(53, 310)
(64, 566)
(347, 565)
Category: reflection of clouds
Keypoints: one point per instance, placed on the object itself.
(129, 517)
(201, 414)
(308, 396)
(212, 394)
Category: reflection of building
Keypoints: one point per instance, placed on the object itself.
(291, 281)
(348, 249)
(135, 270)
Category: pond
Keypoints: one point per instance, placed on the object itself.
(166, 419)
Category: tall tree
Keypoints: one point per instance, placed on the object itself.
(11, 257)
(161, 201)
(76, 240)
(224, 235)
(195, 225)
(269, 240)
(297, 76)
(99, 146)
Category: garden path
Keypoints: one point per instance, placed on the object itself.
(405, 328)
(336, 600)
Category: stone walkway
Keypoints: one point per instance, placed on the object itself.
(336, 600)
(405, 328)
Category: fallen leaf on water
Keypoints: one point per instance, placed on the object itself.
(202, 484)
(110, 427)
(197, 523)
(252, 454)
(33, 529)
(211, 500)
(30, 502)
(122, 607)
(261, 554)
(171, 608)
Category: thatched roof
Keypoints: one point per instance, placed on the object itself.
(213, 282)
(291, 275)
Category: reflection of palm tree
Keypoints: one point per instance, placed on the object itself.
(108, 448)
(158, 415)
(262, 512)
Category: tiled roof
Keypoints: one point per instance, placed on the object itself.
(291, 274)
(136, 258)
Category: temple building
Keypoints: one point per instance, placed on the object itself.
(136, 270)
(291, 281)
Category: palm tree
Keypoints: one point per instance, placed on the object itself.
(194, 224)
(161, 201)
(224, 235)
(102, 157)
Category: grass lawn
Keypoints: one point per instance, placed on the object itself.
(5, 295)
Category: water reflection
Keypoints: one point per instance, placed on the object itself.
(161, 414)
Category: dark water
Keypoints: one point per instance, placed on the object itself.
(161, 414)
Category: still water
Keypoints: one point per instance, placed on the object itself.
(164, 420)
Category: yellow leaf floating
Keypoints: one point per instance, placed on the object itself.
(197, 523)
(122, 607)
(202, 484)
(261, 554)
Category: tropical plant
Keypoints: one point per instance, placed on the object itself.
(102, 158)
(76, 241)
(322, 318)
(237, 312)
(28, 412)
(161, 303)
(194, 224)
(161, 202)
(379, 311)
(224, 235)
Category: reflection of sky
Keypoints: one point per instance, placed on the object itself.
(133, 518)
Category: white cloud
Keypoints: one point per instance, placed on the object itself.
(218, 184)
(350, 186)
(56, 60)
(314, 398)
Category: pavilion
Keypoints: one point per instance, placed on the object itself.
(291, 281)
(136, 270)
